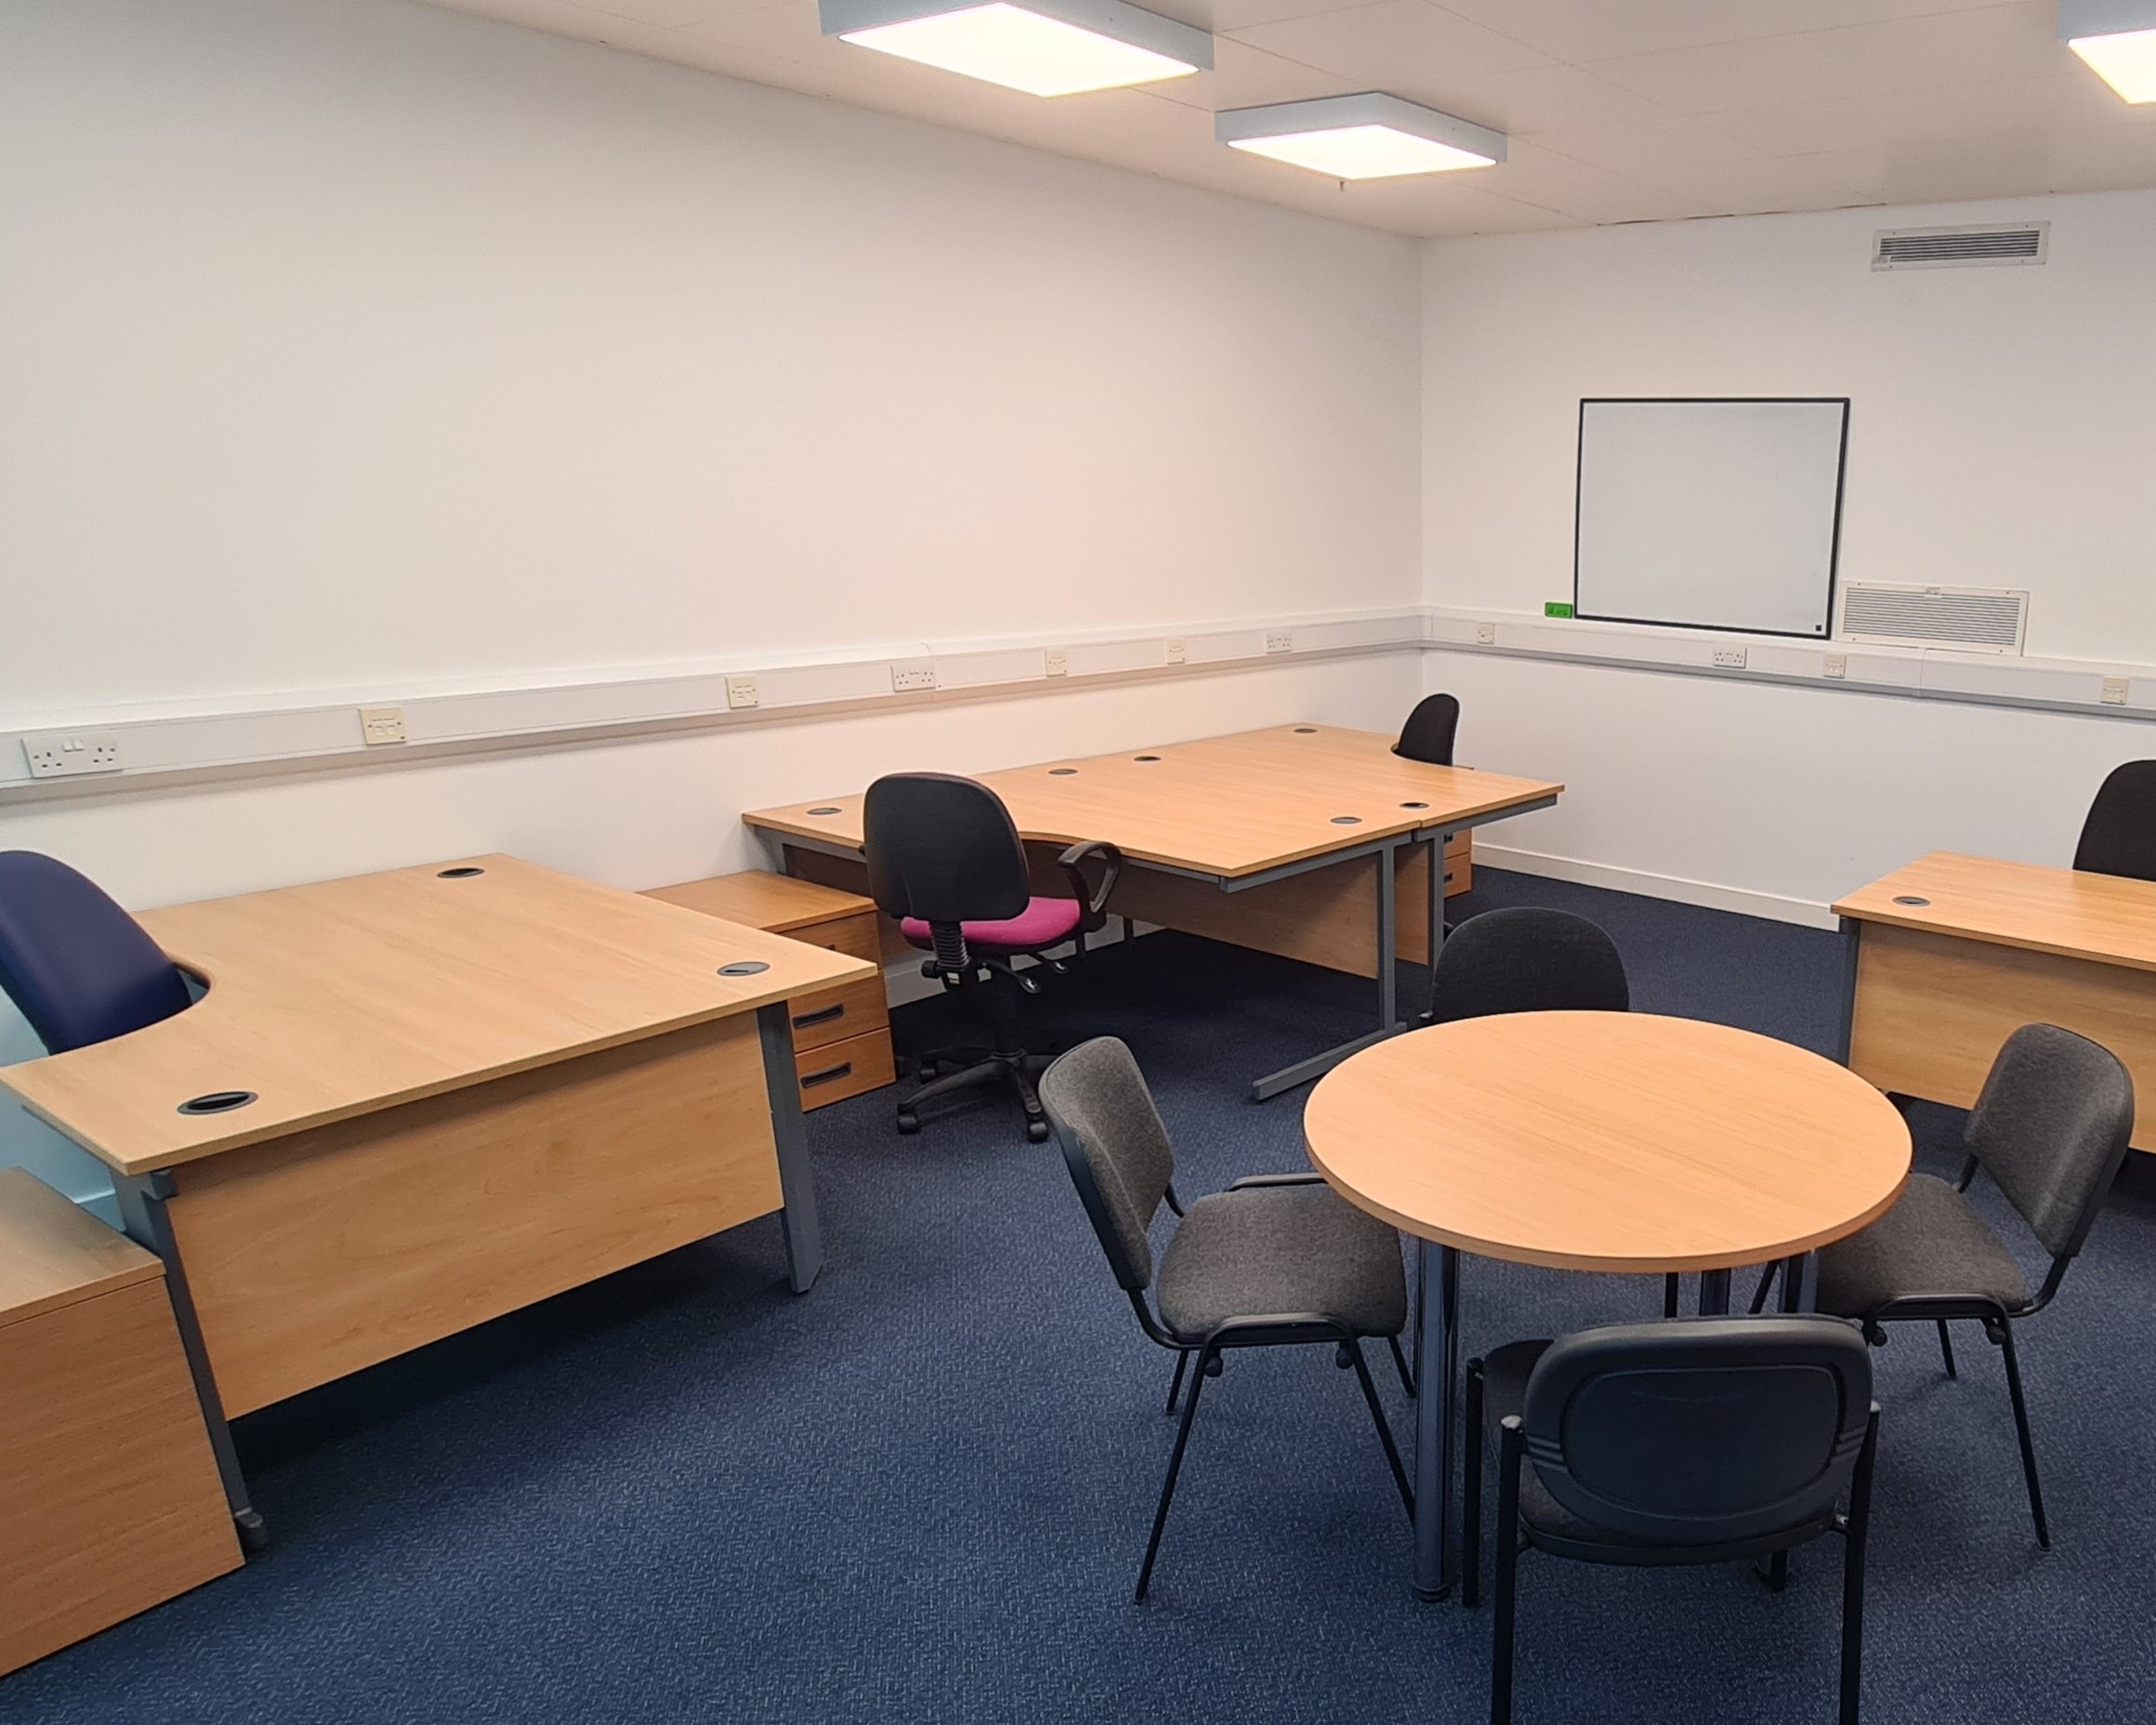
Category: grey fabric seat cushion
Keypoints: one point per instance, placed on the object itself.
(1931, 1242)
(1281, 1249)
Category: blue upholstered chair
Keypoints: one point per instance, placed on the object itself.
(75, 964)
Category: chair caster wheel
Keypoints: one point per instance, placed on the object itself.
(1215, 1366)
(909, 1122)
(1037, 1131)
(254, 1535)
(1342, 1358)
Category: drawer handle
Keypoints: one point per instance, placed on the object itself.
(823, 1017)
(827, 1075)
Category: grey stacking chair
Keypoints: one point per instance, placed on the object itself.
(2051, 1128)
(1277, 1259)
(1698, 1440)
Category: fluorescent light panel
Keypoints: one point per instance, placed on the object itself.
(2118, 40)
(1045, 48)
(1368, 136)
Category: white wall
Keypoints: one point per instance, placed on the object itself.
(1999, 436)
(350, 341)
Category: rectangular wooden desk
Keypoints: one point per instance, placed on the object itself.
(411, 1101)
(1951, 956)
(1295, 839)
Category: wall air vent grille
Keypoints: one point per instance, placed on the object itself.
(1972, 619)
(1943, 248)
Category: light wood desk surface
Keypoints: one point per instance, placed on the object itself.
(1225, 807)
(2106, 917)
(1617, 1141)
(346, 996)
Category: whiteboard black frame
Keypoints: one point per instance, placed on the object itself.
(1841, 490)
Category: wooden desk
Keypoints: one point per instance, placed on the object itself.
(1296, 839)
(109, 1501)
(1936, 986)
(468, 1086)
(1611, 1141)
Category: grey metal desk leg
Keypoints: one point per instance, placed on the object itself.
(1438, 1326)
(1713, 1293)
(1436, 941)
(142, 1200)
(796, 1179)
(1302, 1072)
(1852, 939)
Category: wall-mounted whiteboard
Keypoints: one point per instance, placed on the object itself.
(1710, 514)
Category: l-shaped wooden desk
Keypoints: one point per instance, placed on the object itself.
(413, 1102)
(1294, 839)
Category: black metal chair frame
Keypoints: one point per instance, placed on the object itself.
(1006, 1065)
(1208, 1351)
(1998, 1321)
(1514, 1537)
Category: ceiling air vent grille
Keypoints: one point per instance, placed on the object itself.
(1944, 248)
(1972, 619)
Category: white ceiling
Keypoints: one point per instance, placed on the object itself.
(1618, 110)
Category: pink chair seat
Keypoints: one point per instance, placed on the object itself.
(1042, 922)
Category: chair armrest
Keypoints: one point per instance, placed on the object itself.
(1311, 1178)
(1092, 900)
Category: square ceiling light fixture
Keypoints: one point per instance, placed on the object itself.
(1045, 48)
(2118, 39)
(1366, 136)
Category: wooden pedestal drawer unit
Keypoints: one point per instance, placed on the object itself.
(110, 1499)
(841, 1037)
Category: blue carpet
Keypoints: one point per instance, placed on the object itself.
(921, 1491)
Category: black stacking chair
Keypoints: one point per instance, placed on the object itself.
(2051, 1128)
(1427, 735)
(1528, 959)
(2118, 837)
(1704, 1441)
(1277, 1259)
(945, 858)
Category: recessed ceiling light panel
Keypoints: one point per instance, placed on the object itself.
(1367, 137)
(1045, 48)
(2118, 39)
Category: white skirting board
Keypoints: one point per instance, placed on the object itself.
(1708, 894)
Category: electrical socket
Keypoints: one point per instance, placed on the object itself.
(1280, 643)
(911, 674)
(1055, 663)
(381, 724)
(1486, 635)
(1179, 652)
(1730, 658)
(741, 691)
(63, 754)
(2114, 692)
(1835, 665)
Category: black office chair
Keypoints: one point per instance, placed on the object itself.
(944, 857)
(1707, 1441)
(1528, 959)
(75, 964)
(2119, 837)
(1277, 1259)
(2051, 1128)
(1427, 735)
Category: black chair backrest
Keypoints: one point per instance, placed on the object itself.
(1528, 959)
(942, 849)
(1701, 1431)
(1115, 1147)
(2118, 837)
(1428, 733)
(75, 964)
(2051, 1128)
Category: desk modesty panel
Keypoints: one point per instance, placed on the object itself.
(1952, 954)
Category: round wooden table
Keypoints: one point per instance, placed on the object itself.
(1617, 1141)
